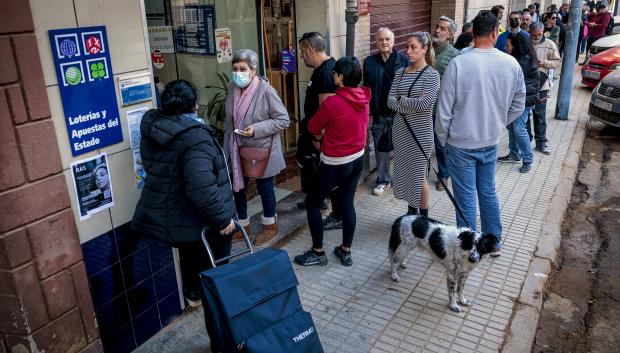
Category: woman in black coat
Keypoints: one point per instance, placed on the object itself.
(520, 46)
(187, 187)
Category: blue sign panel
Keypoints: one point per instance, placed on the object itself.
(86, 83)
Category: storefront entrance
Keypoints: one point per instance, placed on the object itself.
(195, 40)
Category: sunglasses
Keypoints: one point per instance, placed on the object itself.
(554, 18)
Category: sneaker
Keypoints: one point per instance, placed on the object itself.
(379, 190)
(439, 185)
(192, 298)
(344, 256)
(508, 159)
(310, 258)
(302, 205)
(544, 150)
(496, 253)
(331, 223)
(525, 168)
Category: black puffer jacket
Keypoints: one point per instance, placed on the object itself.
(532, 80)
(187, 184)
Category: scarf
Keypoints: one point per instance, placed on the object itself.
(241, 104)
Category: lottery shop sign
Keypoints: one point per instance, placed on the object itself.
(86, 84)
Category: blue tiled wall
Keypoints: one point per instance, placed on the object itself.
(134, 287)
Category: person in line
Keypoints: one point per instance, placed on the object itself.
(514, 20)
(597, 24)
(564, 12)
(548, 57)
(255, 116)
(465, 40)
(552, 30)
(444, 53)
(533, 12)
(413, 95)
(583, 32)
(379, 70)
(320, 86)
(341, 123)
(469, 127)
(520, 47)
(526, 20)
(467, 28)
(498, 11)
(187, 188)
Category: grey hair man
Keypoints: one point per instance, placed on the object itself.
(548, 57)
(444, 53)
(379, 71)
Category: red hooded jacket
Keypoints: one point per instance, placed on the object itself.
(344, 117)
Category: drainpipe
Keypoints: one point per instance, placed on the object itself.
(568, 62)
(350, 18)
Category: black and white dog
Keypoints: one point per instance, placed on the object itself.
(459, 250)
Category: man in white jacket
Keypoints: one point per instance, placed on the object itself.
(548, 59)
(481, 92)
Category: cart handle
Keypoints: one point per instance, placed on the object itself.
(239, 227)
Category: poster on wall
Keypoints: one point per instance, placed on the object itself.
(223, 42)
(86, 84)
(160, 38)
(194, 29)
(135, 89)
(134, 118)
(92, 185)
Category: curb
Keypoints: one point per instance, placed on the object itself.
(523, 325)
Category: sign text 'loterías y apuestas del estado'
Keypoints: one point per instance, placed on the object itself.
(86, 84)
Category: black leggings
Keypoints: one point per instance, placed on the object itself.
(345, 177)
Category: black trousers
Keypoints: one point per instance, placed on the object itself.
(343, 177)
(195, 259)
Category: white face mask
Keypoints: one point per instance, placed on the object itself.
(241, 79)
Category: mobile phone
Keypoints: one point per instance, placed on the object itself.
(237, 131)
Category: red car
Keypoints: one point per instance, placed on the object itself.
(599, 66)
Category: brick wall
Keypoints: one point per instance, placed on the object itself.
(45, 302)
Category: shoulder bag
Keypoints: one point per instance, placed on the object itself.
(254, 160)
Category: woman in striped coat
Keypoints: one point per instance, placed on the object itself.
(412, 97)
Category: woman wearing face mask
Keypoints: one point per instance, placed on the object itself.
(412, 96)
(255, 116)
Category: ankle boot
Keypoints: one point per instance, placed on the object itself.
(237, 236)
(267, 234)
(424, 212)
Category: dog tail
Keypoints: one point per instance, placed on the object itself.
(395, 235)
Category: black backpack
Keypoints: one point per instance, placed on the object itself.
(610, 27)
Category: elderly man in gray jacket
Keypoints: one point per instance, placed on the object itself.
(482, 91)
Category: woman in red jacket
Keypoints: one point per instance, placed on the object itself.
(341, 123)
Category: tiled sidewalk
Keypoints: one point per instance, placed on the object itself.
(360, 309)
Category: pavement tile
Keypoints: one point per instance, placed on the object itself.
(360, 309)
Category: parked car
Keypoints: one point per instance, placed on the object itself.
(605, 101)
(599, 66)
(605, 43)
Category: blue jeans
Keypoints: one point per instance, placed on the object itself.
(442, 164)
(382, 158)
(519, 140)
(473, 177)
(267, 197)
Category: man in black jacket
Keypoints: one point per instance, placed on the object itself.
(379, 70)
(187, 188)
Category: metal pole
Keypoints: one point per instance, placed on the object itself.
(568, 62)
(350, 18)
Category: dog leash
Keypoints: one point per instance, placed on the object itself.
(428, 159)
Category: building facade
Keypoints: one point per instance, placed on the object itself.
(73, 276)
